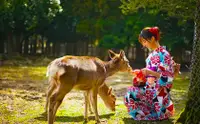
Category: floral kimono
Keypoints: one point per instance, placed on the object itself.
(152, 101)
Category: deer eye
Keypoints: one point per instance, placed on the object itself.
(113, 96)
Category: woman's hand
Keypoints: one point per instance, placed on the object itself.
(176, 67)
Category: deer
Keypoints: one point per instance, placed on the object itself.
(104, 92)
(85, 73)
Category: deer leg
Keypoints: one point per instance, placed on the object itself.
(58, 103)
(90, 109)
(93, 98)
(51, 88)
(52, 102)
(57, 97)
(86, 106)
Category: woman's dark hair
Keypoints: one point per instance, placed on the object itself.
(149, 32)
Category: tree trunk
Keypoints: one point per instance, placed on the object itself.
(43, 49)
(140, 56)
(80, 48)
(2, 46)
(192, 110)
(69, 48)
(20, 43)
(17, 44)
(31, 48)
(9, 44)
(19, 47)
(26, 47)
(75, 48)
(54, 49)
(103, 54)
(58, 49)
(47, 52)
(85, 48)
(34, 46)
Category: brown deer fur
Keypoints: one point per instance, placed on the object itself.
(83, 73)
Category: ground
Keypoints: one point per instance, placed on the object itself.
(22, 96)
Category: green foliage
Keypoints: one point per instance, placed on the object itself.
(24, 16)
(124, 32)
(103, 21)
(110, 41)
(178, 8)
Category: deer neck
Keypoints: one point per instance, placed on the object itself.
(111, 68)
(103, 90)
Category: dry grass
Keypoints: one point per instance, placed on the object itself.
(22, 96)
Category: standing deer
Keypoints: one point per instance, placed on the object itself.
(83, 73)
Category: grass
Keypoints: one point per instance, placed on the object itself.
(22, 96)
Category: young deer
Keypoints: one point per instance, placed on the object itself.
(83, 73)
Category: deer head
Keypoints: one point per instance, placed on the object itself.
(106, 94)
(119, 61)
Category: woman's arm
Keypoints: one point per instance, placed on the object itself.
(146, 72)
(176, 67)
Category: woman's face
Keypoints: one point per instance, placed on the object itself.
(146, 43)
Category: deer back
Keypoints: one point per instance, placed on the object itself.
(87, 71)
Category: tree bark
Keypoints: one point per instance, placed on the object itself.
(47, 51)
(140, 57)
(75, 48)
(34, 46)
(43, 49)
(9, 43)
(85, 48)
(19, 45)
(191, 113)
(1, 45)
(31, 48)
(26, 46)
(54, 49)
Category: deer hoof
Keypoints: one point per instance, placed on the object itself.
(98, 122)
(104, 121)
(44, 114)
(85, 120)
(91, 112)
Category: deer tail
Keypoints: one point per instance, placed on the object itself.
(47, 73)
(54, 69)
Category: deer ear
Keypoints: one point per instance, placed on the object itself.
(111, 54)
(110, 90)
(122, 53)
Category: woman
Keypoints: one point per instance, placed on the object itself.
(152, 101)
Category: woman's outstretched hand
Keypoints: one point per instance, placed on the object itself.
(146, 72)
(176, 67)
(139, 78)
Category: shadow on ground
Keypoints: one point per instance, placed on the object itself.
(131, 121)
(42, 117)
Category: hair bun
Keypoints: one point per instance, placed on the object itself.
(155, 31)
